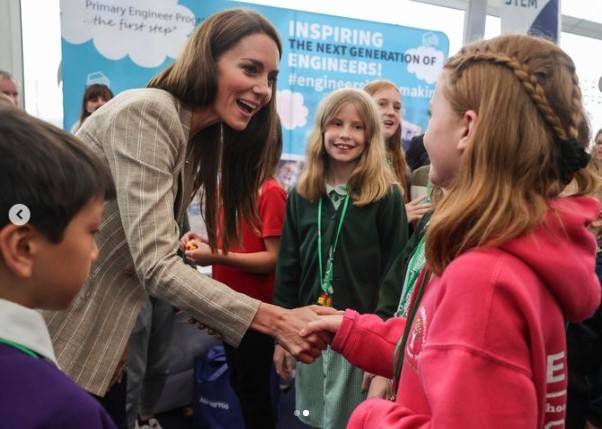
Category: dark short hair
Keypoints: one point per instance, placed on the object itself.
(92, 92)
(48, 170)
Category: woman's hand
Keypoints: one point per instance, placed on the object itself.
(284, 363)
(121, 367)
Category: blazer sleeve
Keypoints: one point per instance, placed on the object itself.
(142, 145)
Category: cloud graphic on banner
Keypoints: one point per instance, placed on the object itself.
(430, 64)
(146, 30)
(292, 112)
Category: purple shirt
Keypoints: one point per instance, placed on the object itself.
(34, 393)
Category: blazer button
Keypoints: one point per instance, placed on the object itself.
(128, 272)
(211, 331)
(219, 336)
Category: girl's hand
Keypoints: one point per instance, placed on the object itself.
(379, 387)
(188, 238)
(199, 252)
(367, 380)
(326, 323)
(415, 209)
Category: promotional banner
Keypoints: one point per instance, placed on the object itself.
(535, 17)
(123, 43)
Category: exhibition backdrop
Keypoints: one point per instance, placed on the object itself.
(123, 43)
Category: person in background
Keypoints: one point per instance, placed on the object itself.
(205, 122)
(9, 86)
(584, 342)
(149, 357)
(417, 155)
(508, 258)
(288, 172)
(388, 99)
(249, 268)
(43, 265)
(95, 95)
(387, 96)
(6, 100)
(345, 224)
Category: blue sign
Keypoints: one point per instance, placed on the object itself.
(123, 43)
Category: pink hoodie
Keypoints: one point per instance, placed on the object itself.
(487, 348)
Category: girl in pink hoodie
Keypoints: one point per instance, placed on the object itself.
(508, 259)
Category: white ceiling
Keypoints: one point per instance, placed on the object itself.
(570, 24)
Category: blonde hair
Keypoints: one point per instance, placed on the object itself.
(395, 153)
(530, 113)
(371, 179)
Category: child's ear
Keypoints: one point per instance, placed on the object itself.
(16, 249)
(469, 125)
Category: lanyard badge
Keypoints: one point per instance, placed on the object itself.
(326, 277)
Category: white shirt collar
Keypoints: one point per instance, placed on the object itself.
(25, 327)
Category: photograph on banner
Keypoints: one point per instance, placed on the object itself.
(123, 43)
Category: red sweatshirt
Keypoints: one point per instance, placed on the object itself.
(487, 347)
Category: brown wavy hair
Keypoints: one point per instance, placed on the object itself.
(393, 145)
(527, 97)
(231, 164)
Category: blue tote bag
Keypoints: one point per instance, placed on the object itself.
(215, 403)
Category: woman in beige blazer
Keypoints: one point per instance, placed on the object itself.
(206, 122)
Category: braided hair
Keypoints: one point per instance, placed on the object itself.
(528, 144)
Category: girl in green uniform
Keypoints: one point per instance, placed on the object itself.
(345, 224)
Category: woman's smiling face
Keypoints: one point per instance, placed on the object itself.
(246, 76)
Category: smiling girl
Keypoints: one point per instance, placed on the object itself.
(388, 99)
(343, 228)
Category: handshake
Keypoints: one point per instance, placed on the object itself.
(302, 332)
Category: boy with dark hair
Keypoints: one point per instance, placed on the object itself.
(44, 261)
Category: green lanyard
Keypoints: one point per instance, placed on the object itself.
(20, 348)
(326, 278)
(415, 265)
(398, 356)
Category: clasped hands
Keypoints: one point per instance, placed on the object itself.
(312, 328)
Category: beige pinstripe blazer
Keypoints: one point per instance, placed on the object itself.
(142, 136)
